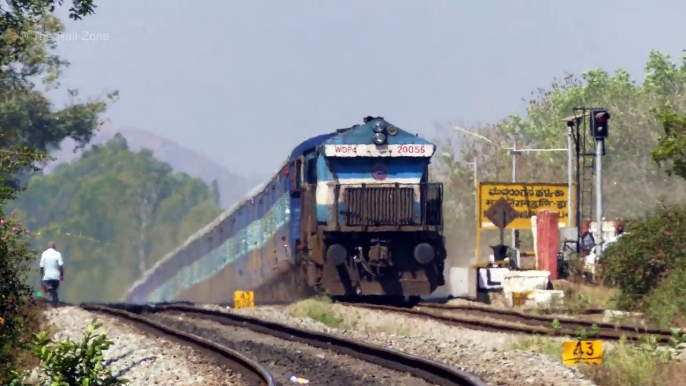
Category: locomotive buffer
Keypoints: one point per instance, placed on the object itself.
(501, 213)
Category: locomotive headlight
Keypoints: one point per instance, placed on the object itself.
(424, 253)
(378, 127)
(379, 139)
(392, 130)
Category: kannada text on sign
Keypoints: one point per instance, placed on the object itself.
(243, 299)
(526, 199)
(586, 351)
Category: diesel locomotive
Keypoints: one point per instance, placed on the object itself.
(349, 213)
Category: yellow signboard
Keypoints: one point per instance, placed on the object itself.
(243, 299)
(586, 351)
(527, 199)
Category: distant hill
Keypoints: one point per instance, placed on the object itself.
(231, 186)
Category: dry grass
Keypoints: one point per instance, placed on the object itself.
(580, 297)
(625, 363)
(539, 344)
(630, 365)
(676, 374)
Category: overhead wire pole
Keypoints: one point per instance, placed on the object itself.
(514, 153)
(476, 205)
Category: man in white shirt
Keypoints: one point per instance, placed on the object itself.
(52, 271)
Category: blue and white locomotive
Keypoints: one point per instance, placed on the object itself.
(350, 213)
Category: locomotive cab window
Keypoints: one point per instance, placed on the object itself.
(298, 173)
(311, 170)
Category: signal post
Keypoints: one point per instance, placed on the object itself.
(599, 130)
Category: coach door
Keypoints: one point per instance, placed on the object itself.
(309, 196)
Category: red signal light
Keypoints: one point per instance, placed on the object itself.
(599, 123)
(601, 118)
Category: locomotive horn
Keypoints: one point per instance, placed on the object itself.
(336, 254)
(424, 253)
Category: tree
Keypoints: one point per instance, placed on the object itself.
(671, 148)
(216, 195)
(27, 118)
(29, 128)
(632, 183)
(19, 17)
(647, 265)
(113, 213)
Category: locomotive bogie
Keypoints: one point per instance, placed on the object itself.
(384, 263)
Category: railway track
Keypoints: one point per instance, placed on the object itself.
(253, 373)
(495, 320)
(181, 317)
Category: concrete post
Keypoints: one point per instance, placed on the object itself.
(548, 241)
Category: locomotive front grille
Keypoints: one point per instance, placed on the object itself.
(378, 206)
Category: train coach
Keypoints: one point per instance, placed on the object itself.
(349, 213)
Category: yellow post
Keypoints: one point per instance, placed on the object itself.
(478, 244)
(477, 251)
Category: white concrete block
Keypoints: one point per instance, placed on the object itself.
(459, 281)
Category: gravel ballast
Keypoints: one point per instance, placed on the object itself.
(141, 358)
(485, 354)
(285, 358)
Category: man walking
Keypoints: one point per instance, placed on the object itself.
(52, 271)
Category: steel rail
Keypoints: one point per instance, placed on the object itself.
(254, 373)
(530, 327)
(544, 320)
(432, 371)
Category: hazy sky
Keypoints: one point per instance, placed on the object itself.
(242, 82)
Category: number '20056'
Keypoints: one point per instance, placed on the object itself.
(411, 149)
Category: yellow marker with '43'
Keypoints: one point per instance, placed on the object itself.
(584, 351)
(243, 299)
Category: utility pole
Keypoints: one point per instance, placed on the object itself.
(570, 134)
(475, 168)
(514, 179)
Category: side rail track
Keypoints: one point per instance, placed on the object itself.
(543, 320)
(481, 318)
(253, 372)
(432, 371)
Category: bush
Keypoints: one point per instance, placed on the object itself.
(667, 302)
(651, 253)
(70, 363)
(319, 309)
(16, 301)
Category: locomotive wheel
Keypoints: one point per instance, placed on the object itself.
(303, 282)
